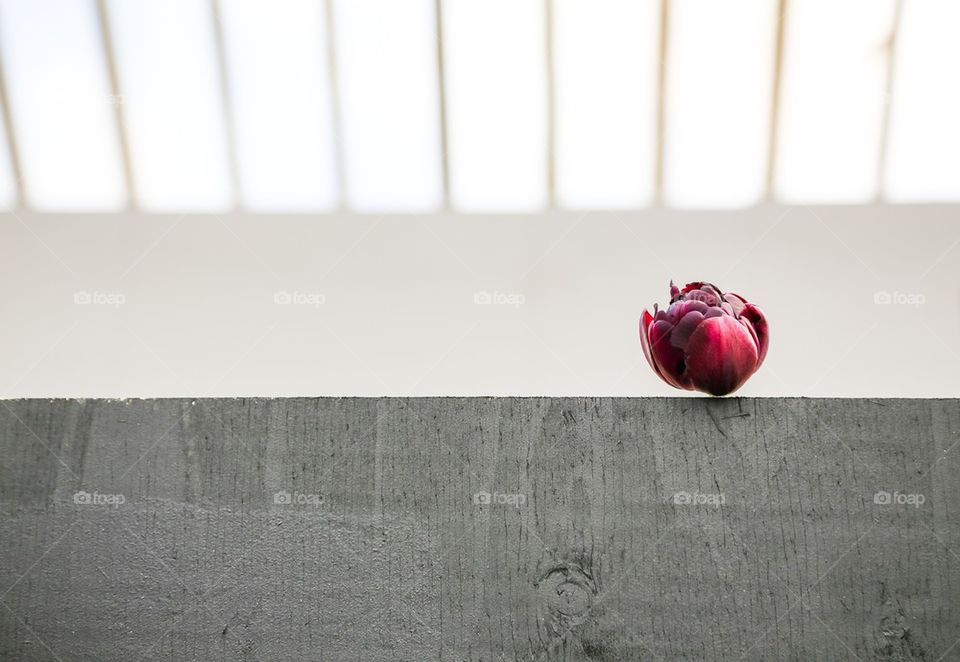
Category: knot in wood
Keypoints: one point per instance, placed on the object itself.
(567, 590)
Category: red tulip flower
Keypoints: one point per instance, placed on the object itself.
(706, 340)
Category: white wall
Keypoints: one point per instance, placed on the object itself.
(198, 315)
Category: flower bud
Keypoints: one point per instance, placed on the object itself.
(705, 340)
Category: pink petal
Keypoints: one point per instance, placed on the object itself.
(684, 307)
(705, 296)
(685, 327)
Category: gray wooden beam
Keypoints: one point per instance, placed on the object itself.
(616, 529)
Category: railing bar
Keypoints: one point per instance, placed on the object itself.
(336, 117)
(888, 99)
(551, 127)
(442, 98)
(775, 95)
(12, 146)
(661, 101)
(226, 103)
(106, 37)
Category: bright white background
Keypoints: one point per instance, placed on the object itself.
(398, 315)
(175, 165)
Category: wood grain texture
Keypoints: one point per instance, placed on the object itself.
(617, 529)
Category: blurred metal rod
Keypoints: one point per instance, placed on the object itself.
(14, 151)
(775, 94)
(442, 99)
(891, 54)
(336, 117)
(116, 100)
(661, 100)
(551, 128)
(226, 103)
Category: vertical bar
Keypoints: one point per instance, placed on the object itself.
(227, 107)
(442, 98)
(167, 65)
(923, 157)
(834, 71)
(277, 58)
(551, 105)
(661, 100)
(21, 200)
(718, 102)
(891, 50)
(117, 102)
(386, 59)
(605, 60)
(335, 112)
(775, 97)
(497, 104)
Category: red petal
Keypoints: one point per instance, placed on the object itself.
(759, 322)
(736, 301)
(645, 320)
(721, 355)
(668, 358)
